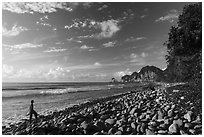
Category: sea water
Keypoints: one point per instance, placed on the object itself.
(49, 97)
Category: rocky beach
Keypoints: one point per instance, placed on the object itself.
(161, 110)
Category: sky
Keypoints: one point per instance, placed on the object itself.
(83, 41)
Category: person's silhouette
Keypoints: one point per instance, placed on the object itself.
(32, 111)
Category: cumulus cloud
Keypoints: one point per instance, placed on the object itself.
(21, 46)
(129, 14)
(10, 72)
(15, 30)
(7, 70)
(81, 23)
(84, 47)
(39, 7)
(143, 54)
(13, 73)
(138, 59)
(108, 28)
(119, 74)
(109, 44)
(133, 55)
(133, 39)
(54, 49)
(43, 21)
(97, 64)
(57, 72)
(170, 16)
(74, 40)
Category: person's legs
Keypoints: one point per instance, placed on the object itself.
(31, 114)
(35, 114)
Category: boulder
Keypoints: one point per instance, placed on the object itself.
(173, 128)
(110, 121)
(160, 115)
(188, 116)
(149, 132)
(133, 111)
(179, 122)
(118, 133)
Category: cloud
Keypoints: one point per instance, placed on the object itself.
(144, 54)
(119, 74)
(138, 59)
(128, 15)
(81, 23)
(15, 30)
(54, 49)
(87, 5)
(7, 70)
(133, 39)
(43, 22)
(56, 73)
(108, 28)
(40, 73)
(21, 46)
(143, 16)
(133, 56)
(97, 64)
(103, 7)
(84, 47)
(171, 16)
(109, 44)
(85, 36)
(38, 7)
(74, 40)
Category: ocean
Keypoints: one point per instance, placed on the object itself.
(49, 97)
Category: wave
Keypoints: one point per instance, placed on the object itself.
(48, 92)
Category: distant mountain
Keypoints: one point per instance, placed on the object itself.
(147, 73)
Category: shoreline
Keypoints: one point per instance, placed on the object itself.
(127, 86)
(78, 115)
(74, 107)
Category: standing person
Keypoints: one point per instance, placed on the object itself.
(32, 111)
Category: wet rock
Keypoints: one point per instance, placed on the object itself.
(154, 117)
(143, 127)
(197, 121)
(188, 116)
(133, 125)
(118, 133)
(188, 125)
(164, 126)
(167, 108)
(198, 127)
(160, 115)
(162, 132)
(112, 130)
(138, 128)
(149, 132)
(183, 132)
(110, 121)
(179, 122)
(170, 113)
(173, 128)
(192, 131)
(100, 125)
(133, 111)
(121, 129)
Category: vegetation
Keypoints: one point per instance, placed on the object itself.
(184, 46)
